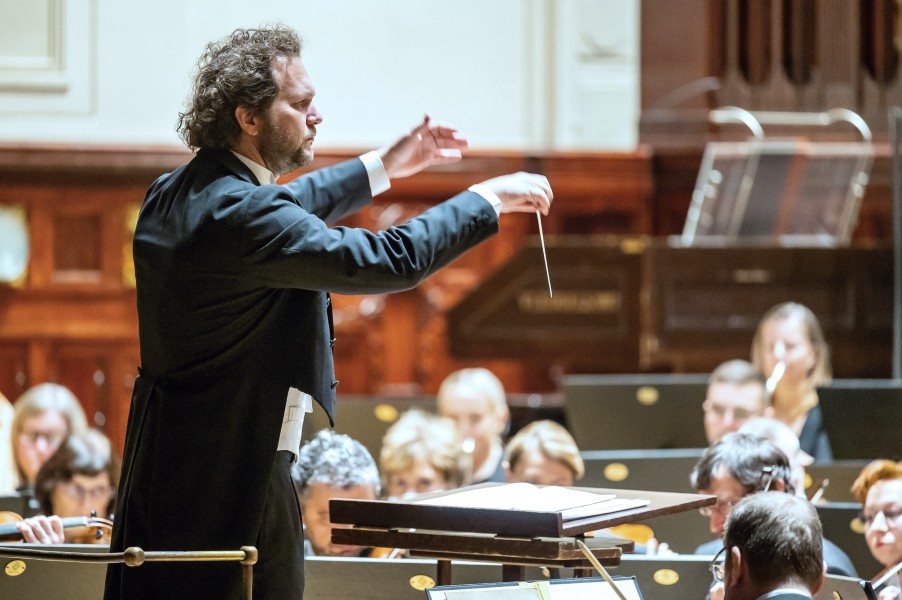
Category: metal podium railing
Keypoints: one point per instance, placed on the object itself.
(135, 557)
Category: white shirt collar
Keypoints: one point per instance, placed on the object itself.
(263, 175)
(785, 591)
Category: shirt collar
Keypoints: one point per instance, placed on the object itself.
(263, 175)
(794, 591)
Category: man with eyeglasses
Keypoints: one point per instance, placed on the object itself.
(741, 465)
(772, 549)
(735, 394)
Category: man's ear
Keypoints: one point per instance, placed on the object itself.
(778, 485)
(247, 120)
(820, 580)
(736, 571)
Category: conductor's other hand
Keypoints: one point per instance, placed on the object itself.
(429, 143)
(522, 192)
(42, 530)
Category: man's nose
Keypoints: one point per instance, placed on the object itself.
(314, 117)
(716, 523)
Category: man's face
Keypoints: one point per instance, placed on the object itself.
(884, 533)
(475, 417)
(289, 125)
(727, 406)
(729, 491)
(318, 526)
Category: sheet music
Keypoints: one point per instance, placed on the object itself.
(571, 503)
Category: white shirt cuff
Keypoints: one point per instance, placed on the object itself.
(376, 173)
(489, 195)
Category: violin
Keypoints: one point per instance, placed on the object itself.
(9, 532)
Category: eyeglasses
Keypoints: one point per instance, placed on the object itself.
(96, 494)
(725, 507)
(890, 516)
(717, 565)
(721, 507)
(51, 438)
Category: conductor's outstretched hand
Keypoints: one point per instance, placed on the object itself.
(429, 143)
(522, 192)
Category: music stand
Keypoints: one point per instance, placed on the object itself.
(787, 192)
(515, 538)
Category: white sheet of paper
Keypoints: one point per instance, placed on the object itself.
(296, 406)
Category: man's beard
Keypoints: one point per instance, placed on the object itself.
(280, 152)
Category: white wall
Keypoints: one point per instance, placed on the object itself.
(512, 74)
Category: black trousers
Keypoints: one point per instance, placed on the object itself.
(279, 572)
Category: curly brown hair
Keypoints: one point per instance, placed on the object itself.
(233, 72)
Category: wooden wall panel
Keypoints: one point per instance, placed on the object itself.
(74, 320)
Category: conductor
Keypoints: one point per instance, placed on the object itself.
(233, 274)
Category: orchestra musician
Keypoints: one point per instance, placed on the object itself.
(422, 453)
(790, 350)
(45, 415)
(474, 399)
(331, 465)
(741, 465)
(879, 489)
(543, 453)
(78, 480)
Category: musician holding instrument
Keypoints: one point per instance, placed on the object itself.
(879, 489)
(77, 485)
(790, 349)
(45, 415)
(475, 400)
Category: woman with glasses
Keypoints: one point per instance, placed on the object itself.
(79, 480)
(879, 489)
(45, 415)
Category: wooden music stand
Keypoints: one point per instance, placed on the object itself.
(515, 538)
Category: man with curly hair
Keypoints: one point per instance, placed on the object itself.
(233, 275)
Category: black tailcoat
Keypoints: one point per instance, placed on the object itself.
(233, 310)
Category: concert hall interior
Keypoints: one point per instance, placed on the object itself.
(721, 263)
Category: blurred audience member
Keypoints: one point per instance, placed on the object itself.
(740, 465)
(474, 399)
(543, 453)
(9, 479)
(780, 435)
(422, 453)
(331, 465)
(773, 549)
(79, 480)
(735, 394)
(790, 349)
(879, 489)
